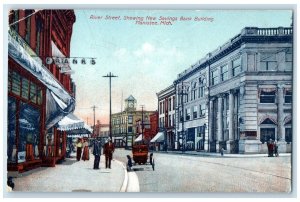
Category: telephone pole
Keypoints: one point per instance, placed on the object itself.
(94, 107)
(110, 75)
(142, 106)
(182, 93)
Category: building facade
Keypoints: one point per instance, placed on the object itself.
(39, 94)
(240, 95)
(166, 116)
(124, 128)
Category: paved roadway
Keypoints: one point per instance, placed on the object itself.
(187, 173)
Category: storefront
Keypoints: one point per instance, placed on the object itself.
(36, 102)
(69, 129)
(25, 115)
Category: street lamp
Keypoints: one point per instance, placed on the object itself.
(110, 75)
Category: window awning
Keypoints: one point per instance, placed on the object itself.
(139, 138)
(59, 103)
(159, 137)
(73, 125)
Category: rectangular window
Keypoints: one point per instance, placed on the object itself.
(202, 110)
(224, 72)
(170, 104)
(160, 108)
(129, 129)
(236, 67)
(195, 112)
(28, 26)
(39, 96)
(268, 62)
(214, 77)
(201, 91)
(173, 119)
(170, 121)
(16, 83)
(25, 88)
(130, 119)
(288, 97)
(187, 94)
(188, 114)
(227, 102)
(267, 97)
(29, 141)
(173, 102)
(38, 35)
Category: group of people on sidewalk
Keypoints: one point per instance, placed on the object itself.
(108, 151)
(272, 148)
(82, 144)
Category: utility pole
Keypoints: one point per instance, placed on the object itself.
(142, 106)
(182, 112)
(110, 75)
(94, 107)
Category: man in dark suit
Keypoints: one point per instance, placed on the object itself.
(109, 149)
(97, 153)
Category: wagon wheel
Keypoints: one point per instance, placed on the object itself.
(153, 164)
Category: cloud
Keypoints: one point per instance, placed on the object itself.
(146, 49)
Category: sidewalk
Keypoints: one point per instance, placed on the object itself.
(214, 154)
(74, 176)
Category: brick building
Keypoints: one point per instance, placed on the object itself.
(39, 94)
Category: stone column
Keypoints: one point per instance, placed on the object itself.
(220, 123)
(280, 114)
(280, 117)
(230, 126)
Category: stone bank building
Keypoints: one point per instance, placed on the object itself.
(238, 96)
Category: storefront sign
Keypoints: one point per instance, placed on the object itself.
(67, 61)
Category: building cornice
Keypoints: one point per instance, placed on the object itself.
(247, 35)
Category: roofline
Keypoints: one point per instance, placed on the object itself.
(247, 35)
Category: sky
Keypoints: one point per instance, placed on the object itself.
(148, 58)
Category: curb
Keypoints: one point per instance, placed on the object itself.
(125, 182)
(218, 155)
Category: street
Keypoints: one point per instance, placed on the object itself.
(184, 173)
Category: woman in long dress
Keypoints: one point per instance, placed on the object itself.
(85, 155)
(79, 149)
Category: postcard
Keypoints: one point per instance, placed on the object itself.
(149, 100)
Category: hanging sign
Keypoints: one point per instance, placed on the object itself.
(67, 61)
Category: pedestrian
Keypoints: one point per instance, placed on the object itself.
(109, 149)
(79, 149)
(276, 149)
(86, 152)
(270, 146)
(97, 153)
(129, 163)
(10, 184)
(222, 151)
